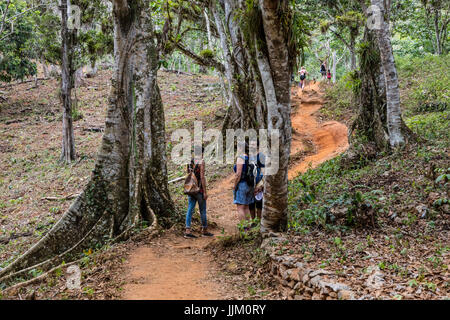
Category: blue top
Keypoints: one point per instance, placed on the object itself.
(259, 163)
(244, 168)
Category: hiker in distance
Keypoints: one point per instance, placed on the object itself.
(195, 188)
(302, 74)
(243, 187)
(323, 70)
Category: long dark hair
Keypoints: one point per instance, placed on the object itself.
(244, 144)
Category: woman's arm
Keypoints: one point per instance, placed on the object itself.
(239, 167)
(202, 177)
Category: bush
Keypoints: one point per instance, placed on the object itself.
(432, 126)
(431, 96)
(424, 83)
(339, 99)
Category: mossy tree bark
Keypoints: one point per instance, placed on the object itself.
(241, 111)
(369, 126)
(394, 114)
(369, 133)
(275, 63)
(129, 181)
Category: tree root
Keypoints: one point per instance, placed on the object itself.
(150, 231)
(19, 285)
(69, 197)
(45, 264)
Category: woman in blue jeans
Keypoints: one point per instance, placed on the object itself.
(198, 166)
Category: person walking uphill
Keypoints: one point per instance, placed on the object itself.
(302, 72)
(323, 70)
(197, 166)
(243, 185)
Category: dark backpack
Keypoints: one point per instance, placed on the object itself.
(249, 175)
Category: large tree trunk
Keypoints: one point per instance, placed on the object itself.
(394, 114)
(275, 70)
(67, 36)
(369, 133)
(129, 181)
(370, 125)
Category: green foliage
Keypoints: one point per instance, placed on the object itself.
(414, 26)
(15, 43)
(432, 126)
(95, 43)
(425, 83)
(35, 272)
(324, 26)
(36, 35)
(352, 81)
(339, 97)
(306, 207)
(351, 19)
(46, 40)
(207, 54)
(248, 229)
(338, 100)
(369, 55)
(251, 23)
(76, 114)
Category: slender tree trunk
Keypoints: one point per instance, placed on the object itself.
(352, 52)
(241, 112)
(68, 141)
(45, 68)
(437, 31)
(129, 181)
(228, 62)
(334, 66)
(208, 29)
(394, 115)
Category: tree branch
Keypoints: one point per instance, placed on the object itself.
(4, 16)
(207, 62)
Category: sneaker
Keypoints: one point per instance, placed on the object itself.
(190, 236)
(207, 234)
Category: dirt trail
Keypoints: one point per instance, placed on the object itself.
(176, 268)
(329, 138)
